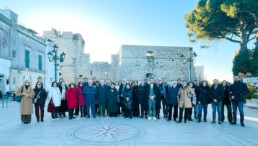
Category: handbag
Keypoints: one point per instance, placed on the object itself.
(18, 98)
(36, 99)
(51, 106)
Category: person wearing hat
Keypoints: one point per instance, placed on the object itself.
(27, 94)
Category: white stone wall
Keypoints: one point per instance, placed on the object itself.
(167, 63)
(5, 65)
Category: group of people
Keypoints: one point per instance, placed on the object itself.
(130, 99)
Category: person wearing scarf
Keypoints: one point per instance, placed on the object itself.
(27, 94)
(39, 101)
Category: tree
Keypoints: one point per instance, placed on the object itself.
(242, 63)
(233, 20)
(255, 59)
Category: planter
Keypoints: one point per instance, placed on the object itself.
(253, 103)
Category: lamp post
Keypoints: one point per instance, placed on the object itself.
(189, 59)
(52, 56)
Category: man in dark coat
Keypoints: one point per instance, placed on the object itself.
(164, 92)
(89, 92)
(216, 94)
(172, 101)
(121, 90)
(203, 100)
(153, 94)
(238, 92)
(102, 98)
(143, 98)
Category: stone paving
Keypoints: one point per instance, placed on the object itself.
(120, 131)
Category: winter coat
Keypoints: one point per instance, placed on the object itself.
(112, 106)
(55, 94)
(26, 102)
(63, 107)
(239, 91)
(217, 93)
(102, 93)
(71, 98)
(184, 99)
(226, 98)
(172, 95)
(142, 95)
(89, 93)
(80, 97)
(204, 97)
(42, 95)
(127, 94)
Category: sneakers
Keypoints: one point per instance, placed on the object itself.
(154, 118)
(149, 118)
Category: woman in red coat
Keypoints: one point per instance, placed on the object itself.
(71, 100)
(80, 99)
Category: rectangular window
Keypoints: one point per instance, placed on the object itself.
(27, 58)
(40, 62)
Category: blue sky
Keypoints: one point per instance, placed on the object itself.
(106, 24)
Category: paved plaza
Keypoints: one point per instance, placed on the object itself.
(120, 131)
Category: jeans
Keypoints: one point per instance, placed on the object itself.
(70, 113)
(216, 106)
(102, 106)
(175, 114)
(92, 106)
(196, 110)
(229, 113)
(240, 106)
(41, 107)
(152, 107)
(205, 110)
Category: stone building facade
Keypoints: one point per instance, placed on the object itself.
(132, 62)
(138, 62)
(23, 51)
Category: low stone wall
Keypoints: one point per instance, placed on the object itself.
(253, 103)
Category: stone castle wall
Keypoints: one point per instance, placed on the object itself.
(130, 63)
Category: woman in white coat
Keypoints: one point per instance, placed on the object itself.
(54, 98)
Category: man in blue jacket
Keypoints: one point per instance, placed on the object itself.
(102, 98)
(89, 93)
(238, 92)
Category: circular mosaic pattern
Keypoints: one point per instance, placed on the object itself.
(104, 133)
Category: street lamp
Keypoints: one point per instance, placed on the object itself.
(52, 55)
(189, 59)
